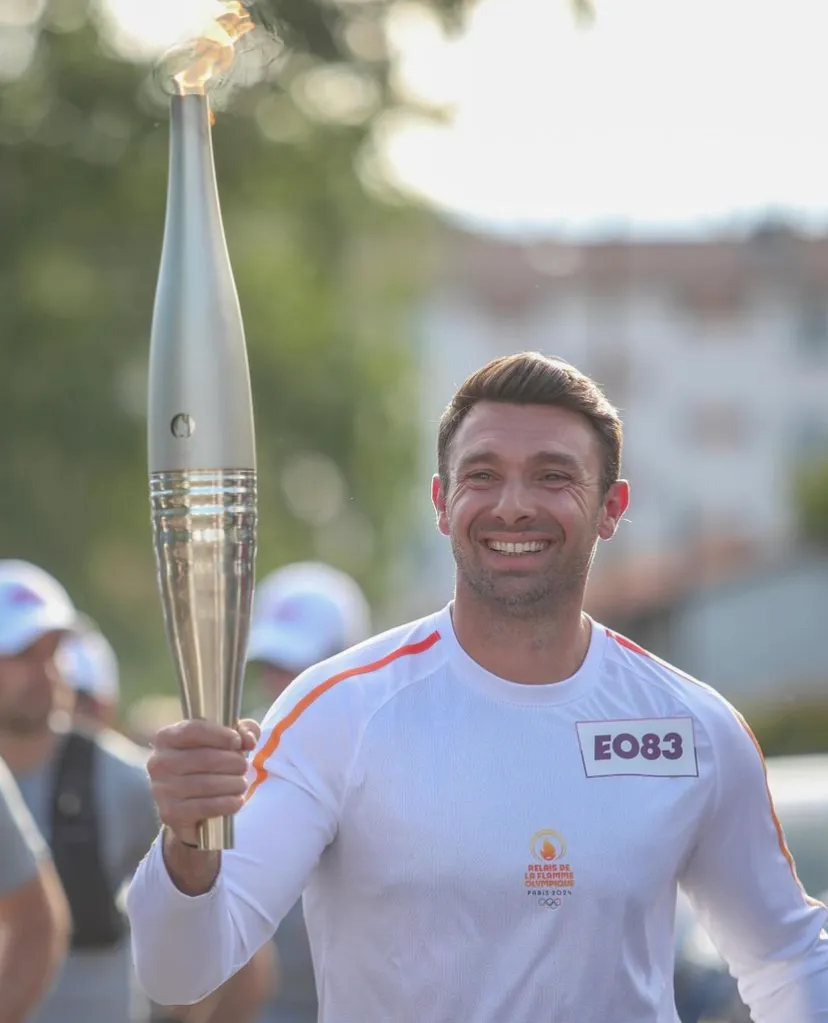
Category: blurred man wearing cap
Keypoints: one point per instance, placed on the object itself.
(89, 666)
(303, 614)
(89, 796)
(34, 914)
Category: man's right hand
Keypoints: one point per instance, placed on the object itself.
(198, 770)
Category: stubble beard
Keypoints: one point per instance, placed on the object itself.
(537, 598)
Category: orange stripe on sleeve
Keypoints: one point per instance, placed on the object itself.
(636, 649)
(780, 834)
(282, 726)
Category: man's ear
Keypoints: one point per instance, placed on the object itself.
(438, 499)
(616, 504)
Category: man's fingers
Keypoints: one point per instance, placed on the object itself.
(250, 733)
(198, 771)
(164, 763)
(201, 786)
(248, 742)
(197, 734)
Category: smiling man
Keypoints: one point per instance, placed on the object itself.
(490, 810)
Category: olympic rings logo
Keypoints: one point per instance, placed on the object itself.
(551, 903)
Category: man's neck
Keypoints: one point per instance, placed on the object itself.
(532, 651)
(24, 753)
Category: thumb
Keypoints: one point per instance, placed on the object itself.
(250, 731)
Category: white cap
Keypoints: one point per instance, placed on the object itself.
(304, 613)
(32, 604)
(88, 663)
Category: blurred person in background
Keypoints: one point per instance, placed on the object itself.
(89, 666)
(88, 793)
(34, 914)
(490, 810)
(304, 613)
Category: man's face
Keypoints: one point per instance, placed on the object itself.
(28, 686)
(524, 506)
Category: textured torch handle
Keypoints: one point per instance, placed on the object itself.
(204, 528)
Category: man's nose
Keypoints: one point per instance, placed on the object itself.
(514, 504)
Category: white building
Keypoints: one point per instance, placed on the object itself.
(715, 352)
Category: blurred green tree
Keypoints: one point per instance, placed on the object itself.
(811, 498)
(325, 269)
(797, 725)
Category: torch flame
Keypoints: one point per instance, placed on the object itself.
(214, 49)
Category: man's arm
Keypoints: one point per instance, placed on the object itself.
(34, 914)
(742, 881)
(215, 911)
(35, 927)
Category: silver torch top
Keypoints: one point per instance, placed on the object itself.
(200, 406)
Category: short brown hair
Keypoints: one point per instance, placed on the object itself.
(530, 378)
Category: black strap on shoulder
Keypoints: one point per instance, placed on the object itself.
(76, 847)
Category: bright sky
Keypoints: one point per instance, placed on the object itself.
(150, 27)
(662, 115)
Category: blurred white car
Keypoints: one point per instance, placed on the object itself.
(705, 991)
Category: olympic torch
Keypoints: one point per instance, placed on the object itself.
(201, 441)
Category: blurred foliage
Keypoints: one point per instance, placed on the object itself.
(584, 10)
(796, 726)
(811, 499)
(326, 273)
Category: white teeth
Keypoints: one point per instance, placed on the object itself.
(530, 547)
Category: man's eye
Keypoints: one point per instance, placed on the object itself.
(481, 474)
(555, 477)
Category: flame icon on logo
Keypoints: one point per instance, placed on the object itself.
(548, 846)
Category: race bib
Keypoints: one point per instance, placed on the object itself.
(658, 747)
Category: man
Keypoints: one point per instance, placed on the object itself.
(88, 793)
(490, 810)
(34, 915)
(89, 666)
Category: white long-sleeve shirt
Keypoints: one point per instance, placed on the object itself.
(475, 850)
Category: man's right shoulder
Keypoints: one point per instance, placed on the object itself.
(365, 675)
